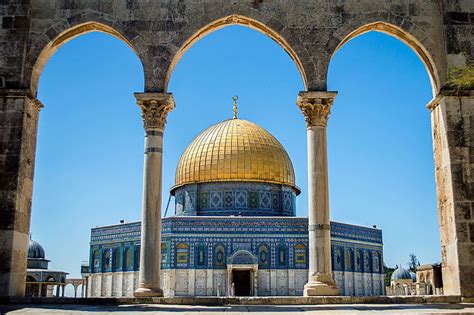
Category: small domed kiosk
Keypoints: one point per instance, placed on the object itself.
(40, 280)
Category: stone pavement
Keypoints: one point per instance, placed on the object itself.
(239, 309)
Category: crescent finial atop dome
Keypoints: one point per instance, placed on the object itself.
(235, 98)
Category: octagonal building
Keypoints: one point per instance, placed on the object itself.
(235, 230)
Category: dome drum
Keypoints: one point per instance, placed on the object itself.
(235, 198)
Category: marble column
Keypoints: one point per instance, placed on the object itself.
(316, 107)
(155, 108)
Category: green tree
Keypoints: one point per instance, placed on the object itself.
(388, 274)
(413, 263)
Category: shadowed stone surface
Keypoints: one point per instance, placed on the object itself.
(238, 309)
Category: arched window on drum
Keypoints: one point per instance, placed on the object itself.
(300, 256)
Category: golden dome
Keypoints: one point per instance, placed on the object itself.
(235, 150)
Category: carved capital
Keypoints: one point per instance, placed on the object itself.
(31, 102)
(36, 105)
(434, 103)
(316, 107)
(155, 108)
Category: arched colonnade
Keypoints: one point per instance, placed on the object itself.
(160, 45)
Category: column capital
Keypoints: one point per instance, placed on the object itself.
(316, 106)
(155, 108)
(434, 103)
(22, 94)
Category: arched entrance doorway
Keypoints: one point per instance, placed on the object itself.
(242, 271)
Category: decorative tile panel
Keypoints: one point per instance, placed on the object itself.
(228, 199)
(265, 198)
(241, 199)
(253, 199)
(216, 200)
(190, 201)
(204, 200)
(275, 200)
(287, 202)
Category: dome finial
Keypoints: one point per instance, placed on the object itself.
(235, 98)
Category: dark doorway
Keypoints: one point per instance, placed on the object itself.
(241, 280)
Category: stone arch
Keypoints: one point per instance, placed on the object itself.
(242, 256)
(404, 36)
(62, 37)
(234, 19)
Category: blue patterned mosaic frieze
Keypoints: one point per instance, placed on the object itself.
(235, 198)
(207, 243)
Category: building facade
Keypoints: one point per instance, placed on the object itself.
(201, 256)
(235, 230)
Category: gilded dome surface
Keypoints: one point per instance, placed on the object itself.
(235, 150)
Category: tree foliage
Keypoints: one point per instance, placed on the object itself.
(413, 263)
(388, 274)
(460, 79)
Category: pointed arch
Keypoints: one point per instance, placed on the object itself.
(408, 39)
(65, 36)
(235, 19)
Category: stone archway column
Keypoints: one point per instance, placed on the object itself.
(19, 114)
(155, 108)
(452, 123)
(316, 107)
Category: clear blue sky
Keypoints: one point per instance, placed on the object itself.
(90, 141)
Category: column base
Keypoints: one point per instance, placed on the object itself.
(321, 285)
(148, 292)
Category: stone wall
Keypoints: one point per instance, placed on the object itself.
(204, 282)
(440, 32)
